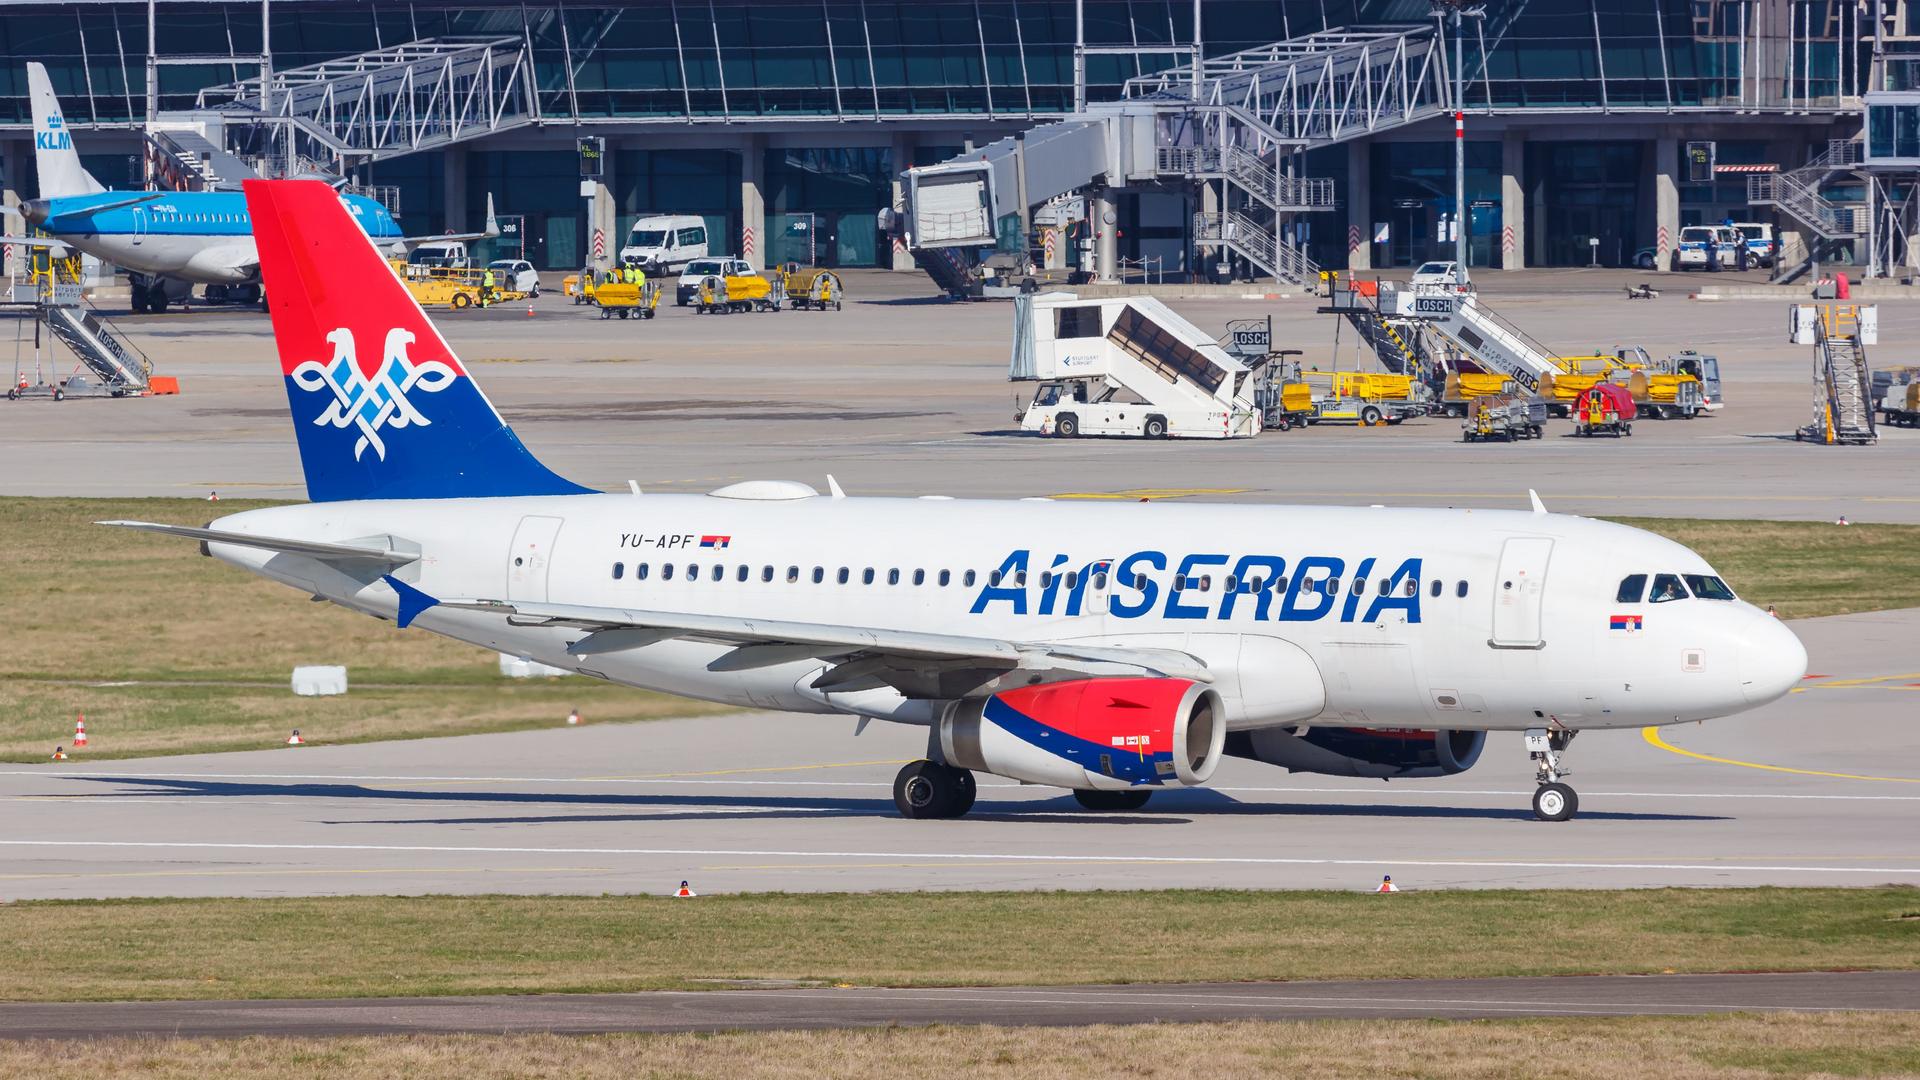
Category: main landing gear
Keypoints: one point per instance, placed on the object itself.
(928, 789)
(1552, 800)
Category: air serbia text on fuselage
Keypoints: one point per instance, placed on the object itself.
(1256, 587)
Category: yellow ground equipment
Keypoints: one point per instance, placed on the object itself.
(627, 299)
(1463, 386)
(1507, 416)
(1365, 397)
(1577, 375)
(443, 286)
(814, 288)
(572, 286)
(738, 292)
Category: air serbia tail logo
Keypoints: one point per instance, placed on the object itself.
(371, 400)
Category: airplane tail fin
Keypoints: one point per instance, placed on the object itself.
(383, 408)
(53, 154)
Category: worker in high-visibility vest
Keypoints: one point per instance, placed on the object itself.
(486, 287)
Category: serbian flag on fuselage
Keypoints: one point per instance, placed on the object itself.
(1629, 623)
(715, 541)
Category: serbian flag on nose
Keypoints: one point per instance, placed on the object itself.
(1629, 623)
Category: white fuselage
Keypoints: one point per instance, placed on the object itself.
(1511, 625)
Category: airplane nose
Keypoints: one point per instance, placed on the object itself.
(1772, 660)
(35, 211)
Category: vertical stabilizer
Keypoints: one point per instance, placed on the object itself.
(53, 154)
(382, 407)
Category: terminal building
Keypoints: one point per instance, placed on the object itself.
(1595, 129)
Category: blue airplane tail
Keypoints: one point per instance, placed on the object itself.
(383, 408)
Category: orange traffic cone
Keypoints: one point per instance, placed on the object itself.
(295, 739)
(529, 311)
(1387, 885)
(684, 890)
(80, 732)
(573, 717)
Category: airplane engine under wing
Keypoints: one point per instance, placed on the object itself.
(1091, 733)
(1369, 752)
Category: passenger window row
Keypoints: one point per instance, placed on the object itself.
(1070, 579)
(1670, 587)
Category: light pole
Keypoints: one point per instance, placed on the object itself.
(1455, 10)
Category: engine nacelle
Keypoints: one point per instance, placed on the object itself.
(1369, 752)
(1091, 733)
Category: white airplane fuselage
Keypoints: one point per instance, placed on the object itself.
(1467, 620)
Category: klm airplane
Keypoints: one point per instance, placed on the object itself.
(167, 241)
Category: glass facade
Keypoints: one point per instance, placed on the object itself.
(731, 59)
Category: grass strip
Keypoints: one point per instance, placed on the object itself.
(1738, 1047)
(372, 946)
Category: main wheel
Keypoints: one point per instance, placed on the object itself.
(1067, 427)
(1156, 427)
(156, 301)
(926, 789)
(1555, 802)
(1097, 799)
(461, 301)
(1370, 416)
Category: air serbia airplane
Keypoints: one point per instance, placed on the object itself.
(168, 240)
(1110, 649)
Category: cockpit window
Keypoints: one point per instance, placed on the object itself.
(1667, 587)
(1632, 588)
(1708, 588)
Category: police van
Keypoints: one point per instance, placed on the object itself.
(1693, 246)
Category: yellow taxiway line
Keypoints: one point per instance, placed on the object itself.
(1653, 737)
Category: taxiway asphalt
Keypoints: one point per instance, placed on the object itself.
(1816, 789)
(1036, 1006)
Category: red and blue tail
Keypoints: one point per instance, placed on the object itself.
(383, 408)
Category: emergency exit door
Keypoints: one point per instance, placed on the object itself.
(1519, 591)
(530, 558)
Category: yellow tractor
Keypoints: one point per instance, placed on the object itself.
(814, 288)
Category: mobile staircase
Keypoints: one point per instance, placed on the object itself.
(121, 367)
(1126, 366)
(1421, 324)
(1798, 195)
(1842, 383)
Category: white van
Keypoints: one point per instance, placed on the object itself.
(440, 254)
(666, 241)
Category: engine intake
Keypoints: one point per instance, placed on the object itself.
(1368, 752)
(1091, 733)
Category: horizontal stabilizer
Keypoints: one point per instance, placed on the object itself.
(313, 549)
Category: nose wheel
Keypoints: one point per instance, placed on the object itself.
(1552, 800)
(927, 789)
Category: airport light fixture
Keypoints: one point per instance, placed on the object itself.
(1452, 12)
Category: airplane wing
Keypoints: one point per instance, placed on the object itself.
(58, 247)
(920, 665)
(492, 230)
(350, 553)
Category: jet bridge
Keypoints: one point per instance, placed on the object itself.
(1126, 366)
(1243, 121)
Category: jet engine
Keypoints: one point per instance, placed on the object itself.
(1091, 733)
(1370, 752)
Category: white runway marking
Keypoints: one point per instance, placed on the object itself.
(1370, 792)
(953, 856)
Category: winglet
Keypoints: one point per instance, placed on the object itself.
(833, 487)
(412, 600)
(1534, 497)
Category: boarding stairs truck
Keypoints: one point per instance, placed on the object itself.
(1843, 403)
(1125, 366)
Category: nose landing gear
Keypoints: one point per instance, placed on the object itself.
(1552, 800)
